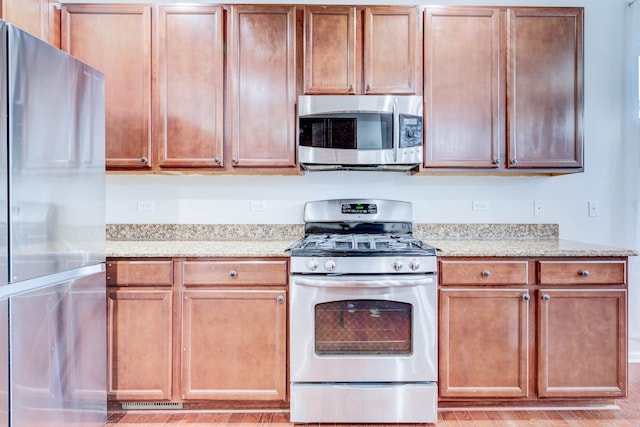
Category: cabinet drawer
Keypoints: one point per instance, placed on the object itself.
(267, 273)
(484, 272)
(140, 273)
(582, 272)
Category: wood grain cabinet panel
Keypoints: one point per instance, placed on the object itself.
(189, 93)
(463, 81)
(484, 272)
(371, 50)
(331, 50)
(262, 86)
(582, 272)
(545, 87)
(582, 348)
(235, 272)
(140, 337)
(234, 345)
(116, 39)
(484, 344)
(140, 273)
(40, 18)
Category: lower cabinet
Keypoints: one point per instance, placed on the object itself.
(140, 330)
(484, 343)
(139, 344)
(582, 349)
(557, 330)
(197, 330)
(233, 345)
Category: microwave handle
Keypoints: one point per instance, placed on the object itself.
(396, 130)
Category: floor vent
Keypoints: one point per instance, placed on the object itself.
(152, 405)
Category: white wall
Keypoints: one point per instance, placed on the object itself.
(610, 175)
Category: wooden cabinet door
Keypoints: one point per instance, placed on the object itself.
(139, 344)
(464, 111)
(190, 86)
(262, 86)
(234, 345)
(484, 340)
(545, 87)
(331, 57)
(582, 348)
(391, 53)
(37, 17)
(116, 39)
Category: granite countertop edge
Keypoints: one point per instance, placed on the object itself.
(278, 248)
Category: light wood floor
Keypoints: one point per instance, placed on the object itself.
(627, 416)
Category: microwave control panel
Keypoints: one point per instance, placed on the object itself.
(410, 131)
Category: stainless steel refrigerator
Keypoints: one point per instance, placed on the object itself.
(52, 274)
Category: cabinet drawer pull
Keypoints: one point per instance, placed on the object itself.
(584, 273)
(546, 297)
(233, 273)
(526, 297)
(486, 273)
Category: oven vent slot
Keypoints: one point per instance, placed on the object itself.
(152, 405)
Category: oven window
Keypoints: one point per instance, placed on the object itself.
(372, 327)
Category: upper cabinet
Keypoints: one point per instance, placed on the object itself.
(262, 86)
(462, 88)
(40, 18)
(503, 89)
(354, 50)
(189, 90)
(545, 87)
(116, 39)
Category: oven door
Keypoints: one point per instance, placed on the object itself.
(376, 328)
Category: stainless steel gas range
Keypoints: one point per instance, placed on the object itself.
(362, 316)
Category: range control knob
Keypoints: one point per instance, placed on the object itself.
(414, 264)
(397, 265)
(330, 265)
(312, 265)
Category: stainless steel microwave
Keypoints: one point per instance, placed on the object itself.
(360, 132)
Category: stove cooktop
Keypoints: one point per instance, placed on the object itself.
(364, 244)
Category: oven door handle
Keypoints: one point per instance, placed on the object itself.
(355, 283)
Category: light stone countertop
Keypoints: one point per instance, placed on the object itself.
(524, 248)
(278, 248)
(272, 240)
(197, 248)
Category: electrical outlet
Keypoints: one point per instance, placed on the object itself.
(480, 205)
(594, 208)
(258, 205)
(538, 208)
(146, 206)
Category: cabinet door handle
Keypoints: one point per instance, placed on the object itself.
(216, 159)
(280, 299)
(368, 87)
(486, 273)
(350, 87)
(144, 160)
(526, 297)
(584, 273)
(233, 273)
(546, 297)
(496, 160)
(234, 160)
